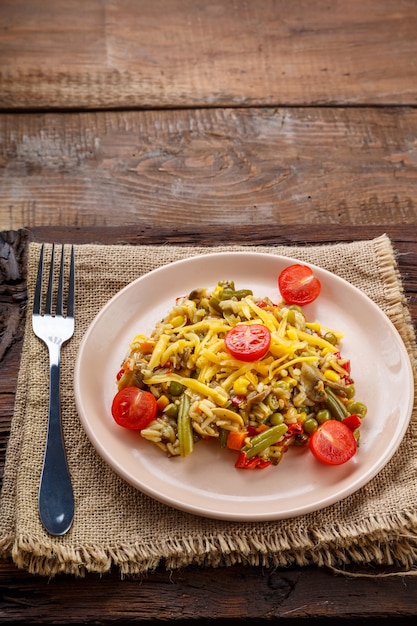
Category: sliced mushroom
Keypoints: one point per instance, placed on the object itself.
(253, 399)
(313, 382)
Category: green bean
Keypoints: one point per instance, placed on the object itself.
(272, 402)
(265, 439)
(335, 406)
(185, 430)
(242, 293)
(223, 437)
(214, 302)
(227, 294)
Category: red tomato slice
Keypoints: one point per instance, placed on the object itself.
(333, 443)
(133, 408)
(298, 285)
(248, 342)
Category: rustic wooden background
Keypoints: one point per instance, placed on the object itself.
(193, 112)
(203, 121)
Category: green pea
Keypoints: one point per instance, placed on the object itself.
(331, 338)
(175, 388)
(292, 313)
(276, 419)
(310, 425)
(357, 408)
(171, 410)
(350, 391)
(323, 416)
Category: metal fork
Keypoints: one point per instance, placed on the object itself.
(56, 499)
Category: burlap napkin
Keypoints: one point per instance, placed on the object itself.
(116, 525)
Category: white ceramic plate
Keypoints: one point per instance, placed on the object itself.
(206, 482)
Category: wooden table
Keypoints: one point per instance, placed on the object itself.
(183, 122)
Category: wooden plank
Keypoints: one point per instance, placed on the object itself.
(207, 166)
(235, 595)
(176, 53)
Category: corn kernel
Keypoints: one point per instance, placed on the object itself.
(177, 321)
(240, 386)
(332, 375)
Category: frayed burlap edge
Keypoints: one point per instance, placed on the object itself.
(394, 545)
(389, 541)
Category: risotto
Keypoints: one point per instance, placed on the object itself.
(258, 377)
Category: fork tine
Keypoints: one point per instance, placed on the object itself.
(60, 296)
(48, 304)
(38, 288)
(71, 286)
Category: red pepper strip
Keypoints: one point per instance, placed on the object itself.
(294, 429)
(244, 463)
(256, 430)
(120, 374)
(237, 400)
(352, 421)
(241, 460)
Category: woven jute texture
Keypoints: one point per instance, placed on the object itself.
(117, 526)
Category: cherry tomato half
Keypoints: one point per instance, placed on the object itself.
(298, 284)
(248, 342)
(133, 408)
(333, 443)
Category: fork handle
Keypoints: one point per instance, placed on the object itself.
(56, 498)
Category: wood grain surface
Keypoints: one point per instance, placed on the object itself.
(209, 166)
(192, 53)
